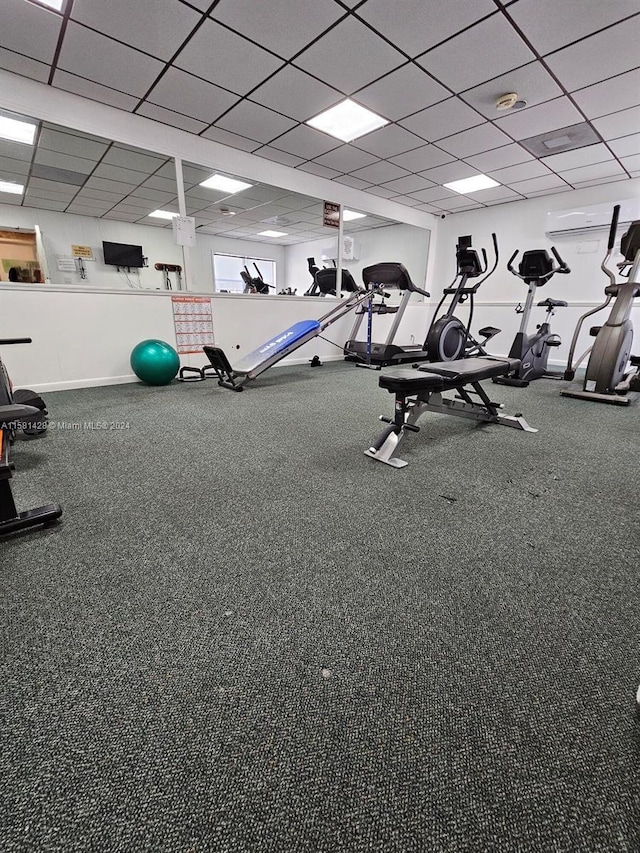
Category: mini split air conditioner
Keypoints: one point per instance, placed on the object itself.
(586, 218)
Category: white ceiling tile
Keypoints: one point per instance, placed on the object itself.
(459, 202)
(295, 93)
(426, 157)
(599, 181)
(41, 204)
(278, 156)
(447, 173)
(346, 158)
(167, 185)
(533, 121)
(47, 194)
(24, 65)
(109, 185)
(623, 123)
(380, 172)
(349, 57)
(169, 117)
(155, 26)
(586, 156)
(14, 167)
(380, 191)
(189, 95)
(631, 164)
(63, 190)
(317, 169)
(103, 60)
(405, 199)
(521, 172)
(406, 90)
(416, 26)
(93, 91)
(282, 26)
(534, 185)
(16, 150)
(117, 173)
(495, 194)
(86, 210)
(71, 143)
(255, 122)
(550, 24)
(64, 161)
(389, 141)
(409, 184)
(148, 193)
(29, 29)
(500, 158)
(222, 57)
(598, 57)
(92, 195)
(139, 161)
(433, 195)
(610, 96)
(305, 142)
(593, 172)
(627, 146)
(350, 181)
(217, 134)
(531, 82)
(443, 119)
(494, 45)
(123, 217)
(474, 141)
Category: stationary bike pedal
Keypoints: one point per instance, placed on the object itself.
(553, 341)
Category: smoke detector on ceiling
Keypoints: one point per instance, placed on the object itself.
(510, 101)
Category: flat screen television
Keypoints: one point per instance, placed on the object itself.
(122, 255)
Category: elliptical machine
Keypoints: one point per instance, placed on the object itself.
(532, 351)
(254, 284)
(608, 377)
(448, 337)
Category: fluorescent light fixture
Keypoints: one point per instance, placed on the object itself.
(347, 121)
(348, 215)
(51, 4)
(163, 214)
(472, 185)
(8, 187)
(17, 131)
(272, 233)
(227, 185)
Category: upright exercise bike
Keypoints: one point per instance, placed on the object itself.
(609, 376)
(448, 337)
(532, 351)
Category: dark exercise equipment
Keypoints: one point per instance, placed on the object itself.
(324, 280)
(9, 396)
(275, 349)
(609, 377)
(11, 521)
(448, 337)
(420, 390)
(536, 269)
(255, 284)
(368, 353)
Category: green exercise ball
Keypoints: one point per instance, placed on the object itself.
(155, 362)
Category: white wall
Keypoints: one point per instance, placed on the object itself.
(521, 225)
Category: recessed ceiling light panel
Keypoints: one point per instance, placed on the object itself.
(50, 4)
(225, 184)
(347, 121)
(272, 234)
(8, 187)
(163, 214)
(472, 185)
(348, 215)
(17, 131)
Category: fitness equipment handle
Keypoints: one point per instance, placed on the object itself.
(4, 341)
(614, 227)
(510, 262)
(563, 266)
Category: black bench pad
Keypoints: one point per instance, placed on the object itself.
(444, 375)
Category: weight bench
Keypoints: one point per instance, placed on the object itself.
(10, 519)
(420, 390)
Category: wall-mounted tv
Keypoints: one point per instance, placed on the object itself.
(122, 255)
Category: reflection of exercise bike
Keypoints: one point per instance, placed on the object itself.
(324, 280)
(448, 337)
(20, 411)
(255, 284)
(608, 377)
(532, 351)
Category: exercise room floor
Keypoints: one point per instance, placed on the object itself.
(248, 636)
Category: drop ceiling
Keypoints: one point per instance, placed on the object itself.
(249, 74)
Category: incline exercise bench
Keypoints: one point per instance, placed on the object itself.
(419, 391)
(278, 347)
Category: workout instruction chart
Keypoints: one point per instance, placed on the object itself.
(193, 322)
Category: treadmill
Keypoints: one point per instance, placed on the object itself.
(372, 354)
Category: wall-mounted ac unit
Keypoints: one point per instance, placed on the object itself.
(578, 220)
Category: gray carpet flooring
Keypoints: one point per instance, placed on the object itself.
(248, 636)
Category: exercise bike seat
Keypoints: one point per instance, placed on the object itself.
(552, 303)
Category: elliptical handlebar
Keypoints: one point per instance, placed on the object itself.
(613, 228)
(7, 341)
(562, 268)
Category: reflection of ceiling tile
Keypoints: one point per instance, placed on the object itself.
(71, 144)
(94, 91)
(61, 176)
(30, 30)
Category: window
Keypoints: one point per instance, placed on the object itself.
(238, 274)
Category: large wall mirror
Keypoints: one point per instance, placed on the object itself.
(78, 209)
